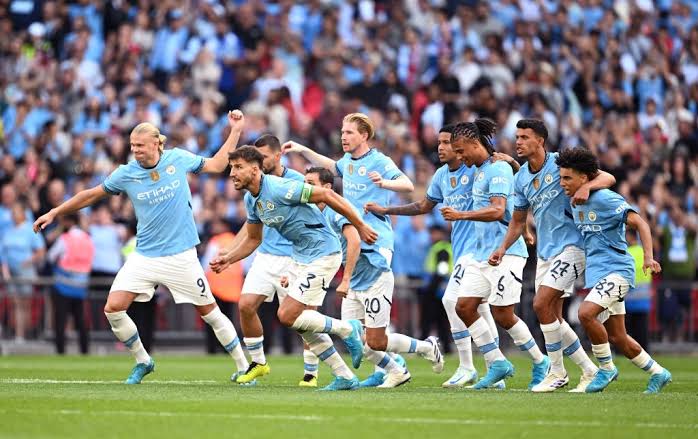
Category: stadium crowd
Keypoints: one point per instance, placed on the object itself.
(619, 77)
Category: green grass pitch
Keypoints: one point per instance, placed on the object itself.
(191, 397)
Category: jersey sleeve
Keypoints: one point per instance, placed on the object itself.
(434, 192)
(500, 179)
(615, 205)
(114, 183)
(291, 192)
(388, 169)
(336, 220)
(520, 200)
(191, 162)
(252, 217)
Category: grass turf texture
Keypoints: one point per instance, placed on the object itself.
(190, 397)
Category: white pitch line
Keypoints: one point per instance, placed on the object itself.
(363, 418)
(45, 381)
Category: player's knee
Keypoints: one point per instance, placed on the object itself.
(247, 308)
(286, 317)
(112, 308)
(539, 306)
(463, 310)
(377, 342)
(586, 316)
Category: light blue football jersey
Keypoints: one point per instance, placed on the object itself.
(280, 205)
(274, 243)
(541, 192)
(494, 179)
(602, 224)
(358, 189)
(455, 189)
(162, 201)
(370, 264)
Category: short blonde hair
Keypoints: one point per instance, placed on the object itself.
(363, 123)
(149, 128)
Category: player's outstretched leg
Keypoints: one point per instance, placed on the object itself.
(484, 310)
(600, 346)
(350, 331)
(388, 373)
(619, 338)
(125, 330)
(500, 368)
(522, 338)
(465, 373)
(572, 348)
(321, 345)
(310, 368)
(227, 336)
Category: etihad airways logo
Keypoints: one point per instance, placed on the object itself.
(159, 194)
(544, 197)
(349, 185)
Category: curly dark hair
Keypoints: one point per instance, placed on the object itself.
(580, 159)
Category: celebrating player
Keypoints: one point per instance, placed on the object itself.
(501, 284)
(610, 270)
(368, 175)
(156, 184)
(560, 248)
(282, 203)
(262, 282)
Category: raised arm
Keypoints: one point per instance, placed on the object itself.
(219, 161)
(248, 243)
(342, 207)
(636, 222)
(515, 230)
(353, 252)
(82, 199)
(603, 180)
(310, 155)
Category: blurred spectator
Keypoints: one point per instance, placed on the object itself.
(678, 268)
(437, 266)
(21, 251)
(71, 256)
(638, 300)
(226, 286)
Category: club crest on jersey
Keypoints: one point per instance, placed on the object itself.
(536, 183)
(592, 216)
(154, 175)
(480, 176)
(581, 215)
(464, 179)
(362, 171)
(270, 205)
(350, 169)
(548, 178)
(454, 181)
(170, 170)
